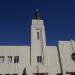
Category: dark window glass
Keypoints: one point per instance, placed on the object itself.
(73, 56)
(9, 59)
(2, 59)
(7, 74)
(14, 74)
(59, 74)
(38, 35)
(72, 74)
(39, 59)
(16, 59)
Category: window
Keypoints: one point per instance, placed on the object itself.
(15, 74)
(59, 74)
(7, 74)
(16, 59)
(39, 59)
(1, 59)
(73, 56)
(40, 73)
(70, 73)
(38, 35)
(9, 59)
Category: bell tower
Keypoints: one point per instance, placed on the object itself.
(38, 40)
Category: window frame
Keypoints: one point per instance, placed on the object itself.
(39, 59)
(16, 59)
(2, 59)
(8, 59)
(73, 56)
(38, 35)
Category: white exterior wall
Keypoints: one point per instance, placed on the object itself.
(52, 60)
(37, 46)
(65, 48)
(51, 55)
(28, 55)
(24, 59)
(52, 66)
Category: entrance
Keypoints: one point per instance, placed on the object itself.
(72, 74)
(40, 73)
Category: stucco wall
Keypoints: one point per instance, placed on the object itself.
(24, 59)
(52, 59)
(65, 48)
(51, 62)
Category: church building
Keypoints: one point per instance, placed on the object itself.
(38, 58)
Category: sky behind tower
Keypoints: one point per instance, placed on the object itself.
(16, 17)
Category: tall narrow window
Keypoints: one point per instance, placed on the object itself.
(16, 59)
(38, 35)
(9, 59)
(1, 59)
(39, 59)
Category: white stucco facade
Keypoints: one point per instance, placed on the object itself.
(38, 58)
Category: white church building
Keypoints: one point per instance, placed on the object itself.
(38, 58)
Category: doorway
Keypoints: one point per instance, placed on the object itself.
(40, 73)
(72, 74)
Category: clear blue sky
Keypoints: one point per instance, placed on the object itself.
(16, 16)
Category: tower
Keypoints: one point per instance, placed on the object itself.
(38, 40)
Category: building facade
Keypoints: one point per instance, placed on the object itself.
(38, 58)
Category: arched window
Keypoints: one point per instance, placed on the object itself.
(73, 56)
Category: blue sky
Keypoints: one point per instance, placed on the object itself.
(16, 17)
